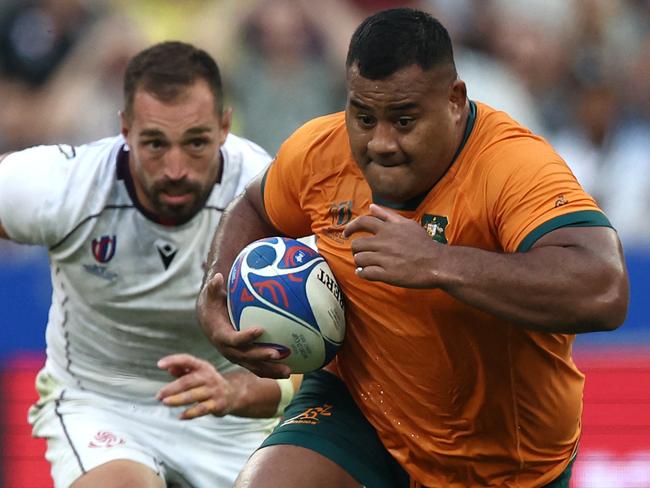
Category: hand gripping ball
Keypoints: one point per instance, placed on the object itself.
(286, 287)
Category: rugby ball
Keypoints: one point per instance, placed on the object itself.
(287, 288)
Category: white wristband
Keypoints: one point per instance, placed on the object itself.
(286, 394)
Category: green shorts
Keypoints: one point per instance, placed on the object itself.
(323, 417)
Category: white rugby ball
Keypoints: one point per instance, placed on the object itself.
(286, 287)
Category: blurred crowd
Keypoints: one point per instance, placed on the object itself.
(575, 71)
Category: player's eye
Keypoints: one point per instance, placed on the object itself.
(366, 120)
(405, 122)
(155, 144)
(198, 144)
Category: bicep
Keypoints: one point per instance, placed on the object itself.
(588, 264)
(592, 255)
(599, 241)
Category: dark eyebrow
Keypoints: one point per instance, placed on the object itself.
(194, 131)
(358, 104)
(151, 133)
(400, 107)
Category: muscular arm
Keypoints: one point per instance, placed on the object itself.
(243, 222)
(573, 280)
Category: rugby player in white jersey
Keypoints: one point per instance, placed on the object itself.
(132, 393)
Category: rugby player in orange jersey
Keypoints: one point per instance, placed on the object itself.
(469, 256)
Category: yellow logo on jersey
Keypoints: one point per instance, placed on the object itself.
(435, 226)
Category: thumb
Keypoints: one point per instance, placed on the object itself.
(216, 288)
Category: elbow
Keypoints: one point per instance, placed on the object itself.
(608, 309)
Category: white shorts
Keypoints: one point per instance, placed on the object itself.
(84, 430)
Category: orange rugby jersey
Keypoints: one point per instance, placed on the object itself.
(459, 398)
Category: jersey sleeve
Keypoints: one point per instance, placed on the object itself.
(284, 183)
(33, 186)
(532, 191)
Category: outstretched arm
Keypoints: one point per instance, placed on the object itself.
(205, 391)
(573, 280)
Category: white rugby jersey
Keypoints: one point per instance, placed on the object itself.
(124, 286)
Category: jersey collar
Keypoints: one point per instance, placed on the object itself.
(124, 174)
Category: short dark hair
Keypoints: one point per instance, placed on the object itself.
(166, 68)
(395, 38)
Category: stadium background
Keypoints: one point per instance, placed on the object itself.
(576, 71)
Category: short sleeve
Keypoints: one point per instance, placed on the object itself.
(33, 188)
(532, 191)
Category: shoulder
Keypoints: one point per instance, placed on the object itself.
(239, 145)
(46, 190)
(64, 156)
(243, 159)
(499, 141)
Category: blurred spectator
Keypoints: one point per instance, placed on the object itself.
(283, 77)
(82, 96)
(36, 36)
(488, 78)
(576, 71)
(535, 38)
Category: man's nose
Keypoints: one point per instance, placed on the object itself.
(176, 166)
(383, 139)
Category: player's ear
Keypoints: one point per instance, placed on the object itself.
(458, 93)
(124, 123)
(226, 123)
(458, 97)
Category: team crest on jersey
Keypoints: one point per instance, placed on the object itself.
(167, 251)
(104, 248)
(435, 226)
(106, 439)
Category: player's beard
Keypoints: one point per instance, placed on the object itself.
(183, 212)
